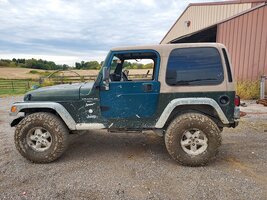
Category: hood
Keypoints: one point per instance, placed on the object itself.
(65, 92)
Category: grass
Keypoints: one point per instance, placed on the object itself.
(19, 87)
(248, 89)
(10, 92)
(47, 83)
(41, 73)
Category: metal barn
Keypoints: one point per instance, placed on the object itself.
(240, 25)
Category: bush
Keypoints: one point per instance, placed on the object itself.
(41, 73)
(47, 83)
(34, 72)
(248, 89)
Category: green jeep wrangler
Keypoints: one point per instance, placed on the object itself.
(189, 98)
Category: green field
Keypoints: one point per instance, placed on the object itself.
(15, 87)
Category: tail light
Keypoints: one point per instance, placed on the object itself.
(237, 100)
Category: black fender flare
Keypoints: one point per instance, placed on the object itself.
(16, 121)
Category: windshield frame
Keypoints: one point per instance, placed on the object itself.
(100, 73)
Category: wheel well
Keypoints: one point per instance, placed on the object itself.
(29, 111)
(203, 109)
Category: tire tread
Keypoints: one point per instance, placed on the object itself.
(59, 129)
(172, 128)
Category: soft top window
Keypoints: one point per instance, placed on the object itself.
(194, 66)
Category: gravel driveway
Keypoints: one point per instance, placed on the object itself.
(100, 165)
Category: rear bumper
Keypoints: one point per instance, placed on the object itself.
(236, 117)
(237, 113)
(235, 124)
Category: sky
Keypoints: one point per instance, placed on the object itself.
(69, 31)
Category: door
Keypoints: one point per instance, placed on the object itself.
(131, 96)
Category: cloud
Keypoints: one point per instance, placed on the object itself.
(82, 29)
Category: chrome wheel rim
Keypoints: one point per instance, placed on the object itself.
(194, 142)
(39, 139)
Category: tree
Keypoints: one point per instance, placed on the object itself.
(78, 65)
(87, 65)
(92, 65)
(32, 63)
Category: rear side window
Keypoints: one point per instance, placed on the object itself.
(230, 78)
(194, 67)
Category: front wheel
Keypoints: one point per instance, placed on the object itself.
(41, 137)
(192, 139)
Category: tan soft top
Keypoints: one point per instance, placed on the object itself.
(162, 48)
(164, 51)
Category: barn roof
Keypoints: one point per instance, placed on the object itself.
(256, 2)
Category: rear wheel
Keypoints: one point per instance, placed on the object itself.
(192, 139)
(41, 137)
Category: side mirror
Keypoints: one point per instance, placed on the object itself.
(105, 78)
(105, 74)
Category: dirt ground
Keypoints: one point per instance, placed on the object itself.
(100, 165)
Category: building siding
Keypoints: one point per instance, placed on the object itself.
(203, 16)
(246, 40)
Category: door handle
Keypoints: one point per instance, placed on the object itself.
(148, 87)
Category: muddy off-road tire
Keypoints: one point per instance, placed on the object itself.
(41, 137)
(193, 139)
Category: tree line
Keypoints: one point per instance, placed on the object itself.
(88, 65)
(136, 65)
(33, 64)
(50, 65)
(126, 65)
